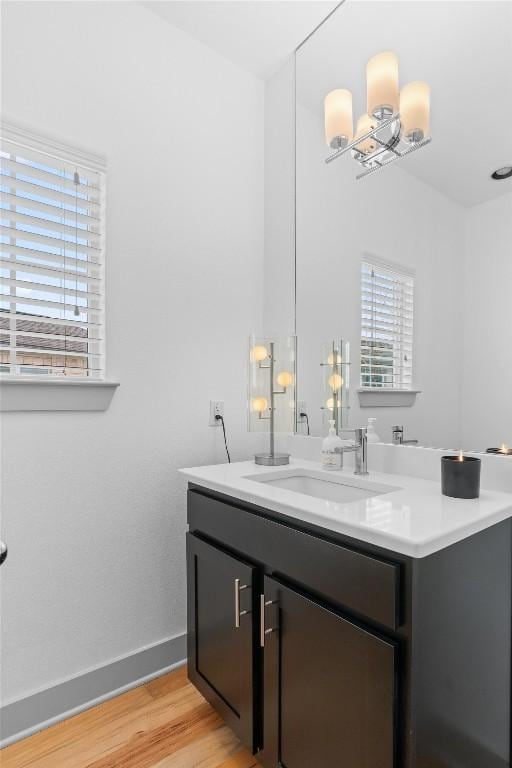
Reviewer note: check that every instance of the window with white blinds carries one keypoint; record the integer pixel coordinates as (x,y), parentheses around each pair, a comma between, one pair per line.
(52,259)
(387,310)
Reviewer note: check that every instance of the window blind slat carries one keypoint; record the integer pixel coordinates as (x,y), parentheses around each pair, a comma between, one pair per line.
(57,290)
(23,319)
(82,337)
(397,368)
(35,304)
(367,352)
(46,240)
(387,298)
(50,258)
(32,187)
(51,351)
(21,150)
(386,318)
(375,289)
(15,265)
(41,222)
(58,370)
(387,278)
(60,178)
(17,200)
(380,321)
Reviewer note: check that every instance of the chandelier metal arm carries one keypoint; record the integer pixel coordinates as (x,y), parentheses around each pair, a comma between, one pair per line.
(359,140)
(399,156)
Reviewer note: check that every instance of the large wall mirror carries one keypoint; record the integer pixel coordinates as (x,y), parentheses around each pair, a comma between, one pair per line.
(411,264)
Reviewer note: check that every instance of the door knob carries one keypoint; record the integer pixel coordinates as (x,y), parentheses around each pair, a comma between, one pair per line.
(3,552)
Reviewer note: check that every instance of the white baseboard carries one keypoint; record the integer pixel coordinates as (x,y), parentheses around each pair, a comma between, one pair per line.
(32,713)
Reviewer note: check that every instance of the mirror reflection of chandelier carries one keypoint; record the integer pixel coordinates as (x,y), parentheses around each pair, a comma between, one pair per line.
(395,124)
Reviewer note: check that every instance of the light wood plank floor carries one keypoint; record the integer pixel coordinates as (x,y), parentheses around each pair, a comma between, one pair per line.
(163,724)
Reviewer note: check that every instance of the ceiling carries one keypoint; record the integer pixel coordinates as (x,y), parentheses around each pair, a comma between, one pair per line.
(463,49)
(257,35)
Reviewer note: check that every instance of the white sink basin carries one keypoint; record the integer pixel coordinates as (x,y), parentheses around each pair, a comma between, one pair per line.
(321,485)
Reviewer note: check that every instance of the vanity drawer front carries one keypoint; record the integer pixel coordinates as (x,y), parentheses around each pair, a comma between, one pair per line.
(358,582)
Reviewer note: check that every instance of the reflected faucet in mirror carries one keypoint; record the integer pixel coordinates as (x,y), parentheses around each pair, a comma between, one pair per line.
(398,437)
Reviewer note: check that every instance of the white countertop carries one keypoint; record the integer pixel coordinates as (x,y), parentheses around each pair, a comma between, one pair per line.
(415,520)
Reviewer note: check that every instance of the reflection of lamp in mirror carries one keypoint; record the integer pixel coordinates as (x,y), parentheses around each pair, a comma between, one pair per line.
(335,381)
(334,365)
(415,111)
(258,353)
(338,118)
(259,404)
(272,392)
(285,379)
(382,85)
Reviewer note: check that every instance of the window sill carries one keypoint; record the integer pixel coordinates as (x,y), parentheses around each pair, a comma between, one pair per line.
(391,398)
(20,394)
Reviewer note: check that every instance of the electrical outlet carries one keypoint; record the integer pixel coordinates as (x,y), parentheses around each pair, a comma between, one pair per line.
(216,409)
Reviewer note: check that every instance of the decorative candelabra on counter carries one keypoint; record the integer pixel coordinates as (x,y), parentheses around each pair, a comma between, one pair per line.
(272,392)
(335,367)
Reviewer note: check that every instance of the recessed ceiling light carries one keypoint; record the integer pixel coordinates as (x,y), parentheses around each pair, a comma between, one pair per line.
(502,173)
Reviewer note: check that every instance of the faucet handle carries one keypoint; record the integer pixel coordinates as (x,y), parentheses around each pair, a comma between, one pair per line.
(397,434)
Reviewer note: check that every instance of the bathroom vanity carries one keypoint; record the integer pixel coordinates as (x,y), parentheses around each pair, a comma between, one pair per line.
(339,621)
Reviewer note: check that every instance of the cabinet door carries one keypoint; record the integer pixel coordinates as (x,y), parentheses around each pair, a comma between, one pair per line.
(329,687)
(220,633)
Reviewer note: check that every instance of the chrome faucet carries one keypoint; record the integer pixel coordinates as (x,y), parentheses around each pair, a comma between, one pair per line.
(398,437)
(360,449)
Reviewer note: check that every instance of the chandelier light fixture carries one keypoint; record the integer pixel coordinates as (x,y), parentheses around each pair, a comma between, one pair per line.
(395,123)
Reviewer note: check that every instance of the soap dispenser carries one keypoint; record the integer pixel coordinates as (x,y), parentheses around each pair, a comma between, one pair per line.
(371,434)
(332,449)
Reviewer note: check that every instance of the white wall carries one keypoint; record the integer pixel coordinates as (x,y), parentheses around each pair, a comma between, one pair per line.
(279,259)
(394,216)
(93,509)
(279,272)
(486,413)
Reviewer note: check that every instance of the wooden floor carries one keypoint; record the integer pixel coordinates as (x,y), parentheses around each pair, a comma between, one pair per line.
(163,724)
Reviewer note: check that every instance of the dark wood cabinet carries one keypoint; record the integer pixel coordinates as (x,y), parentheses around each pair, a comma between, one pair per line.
(332,682)
(345,653)
(328,684)
(221,633)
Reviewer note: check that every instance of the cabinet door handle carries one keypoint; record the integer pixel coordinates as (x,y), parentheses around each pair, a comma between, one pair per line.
(238,612)
(263,604)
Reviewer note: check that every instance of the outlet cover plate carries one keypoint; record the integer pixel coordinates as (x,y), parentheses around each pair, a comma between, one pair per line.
(216,409)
